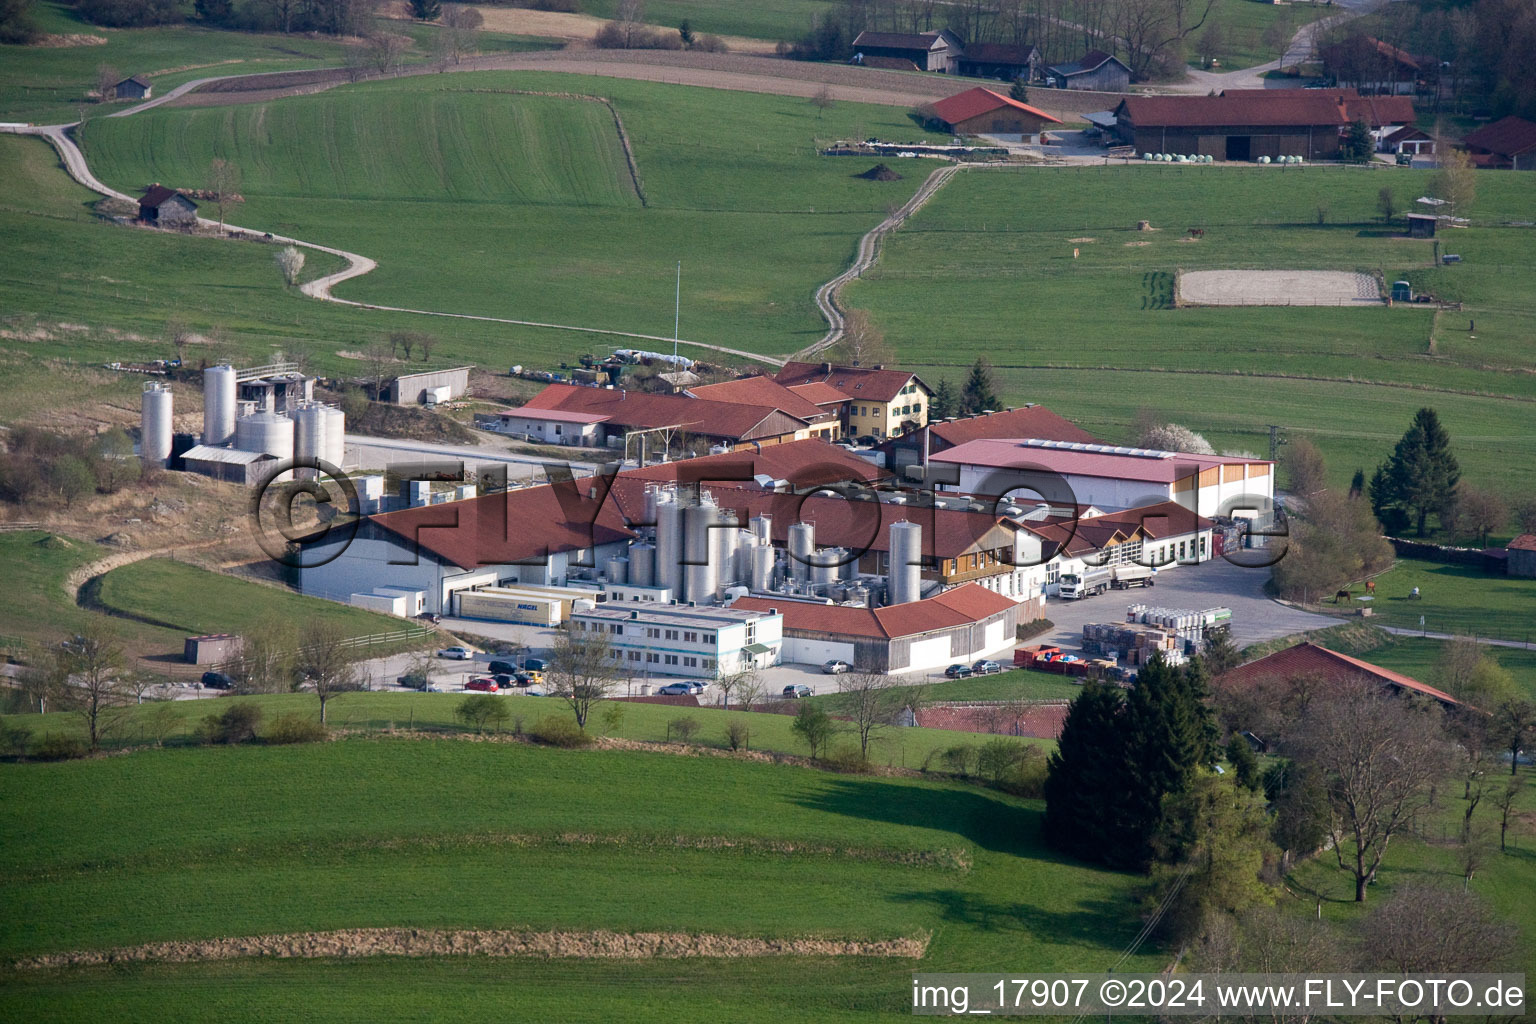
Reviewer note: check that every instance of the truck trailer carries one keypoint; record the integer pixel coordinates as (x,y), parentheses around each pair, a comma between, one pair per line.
(1127,576)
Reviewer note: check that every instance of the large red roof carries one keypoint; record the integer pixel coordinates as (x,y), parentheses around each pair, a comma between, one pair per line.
(820,393)
(1376,111)
(1014,453)
(642,409)
(1509,136)
(975,102)
(959,607)
(1029,421)
(810,462)
(870,383)
(1309,658)
(761,391)
(1236,107)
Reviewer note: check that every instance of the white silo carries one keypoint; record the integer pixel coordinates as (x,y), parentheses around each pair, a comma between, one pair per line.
(905,581)
(700,576)
(335,436)
(155,424)
(265,432)
(762,567)
(669,545)
(802,541)
(642,565)
(724,547)
(309,425)
(824,569)
(219,405)
(762,529)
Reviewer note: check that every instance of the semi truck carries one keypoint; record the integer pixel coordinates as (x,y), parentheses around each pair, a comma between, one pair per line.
(1127,576)
(1090,581)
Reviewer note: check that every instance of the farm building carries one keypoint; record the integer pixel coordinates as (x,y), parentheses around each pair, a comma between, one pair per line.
(928,51)
(674,640)
(880,403)
(1421,225)
(1095,70)
(229,464)
(1508,143)
(1236,125)
(167,208)
(981,111)
(551,426)
(999,60)
(1317,662)
(211,648)
(624,412)
(1164,534)
(1108,477)
(914,447)
(765,391)
(1410,140)
(1372,66)
(132,88)
(1521,559)
(427,387)
(963,624)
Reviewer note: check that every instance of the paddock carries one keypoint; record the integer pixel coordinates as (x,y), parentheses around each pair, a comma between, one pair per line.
(1277,288)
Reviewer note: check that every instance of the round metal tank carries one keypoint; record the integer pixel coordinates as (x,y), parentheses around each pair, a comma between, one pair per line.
(700,576)
(802,541)
(858,595)
(642,565)
(155,424)
(849,570)
(618,570)
(309,425)
(905,580)
(669,547)
(762,529)
(824,571)
(218,405)
(724,545)
(762,567)
(652,499)
(335,435)
(265,432)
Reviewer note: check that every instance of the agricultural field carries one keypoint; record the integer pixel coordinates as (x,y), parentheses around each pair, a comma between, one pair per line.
(773,19)
(447,834)
(1456,599)
(1009,685)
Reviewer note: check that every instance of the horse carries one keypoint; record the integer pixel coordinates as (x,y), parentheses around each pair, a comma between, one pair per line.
(1197,232)
(1343,595)
(1370,586)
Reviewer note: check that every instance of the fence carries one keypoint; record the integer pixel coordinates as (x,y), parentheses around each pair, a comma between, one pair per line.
(398,636)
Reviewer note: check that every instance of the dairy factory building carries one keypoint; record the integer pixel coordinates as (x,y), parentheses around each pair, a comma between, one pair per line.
(682,640)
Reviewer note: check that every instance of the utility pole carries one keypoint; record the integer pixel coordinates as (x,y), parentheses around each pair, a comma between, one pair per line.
(677,310)
(1275,441)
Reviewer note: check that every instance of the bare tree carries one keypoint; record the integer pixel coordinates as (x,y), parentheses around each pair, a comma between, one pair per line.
(460,34)
(822,100)
(582,671)
(749,690)
(1456,181)
(1424,928)
(87,677)
(1380,756)
(265,664)
(1306,472)
(107,76)
(1504,800)
(378,356)
(290,262)
(1514,720)
(325,664)
(386,50)
(1478,512)
(1474,763)
(181,336)
(355,59)
(862,342)
(736,682)
(402,341)
(223,185)
(869,700)
(427,342)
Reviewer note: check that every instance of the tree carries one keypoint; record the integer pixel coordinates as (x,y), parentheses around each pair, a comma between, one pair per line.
(181,336)
(736,682)
(1467,672)
(117,466)
(290,263)
(482,711)
(214,12)
(460,32)
(822,100)
(1456,180)
(1277,36)
(685,33)
(1514,720)
(869,700)
(1430,929)
(266,658)
(1380,756)
(1083,789)
(386,50)
(978,395)
(1299,800)
(1505,802)
(1170,736)
(1172,437)
(426,10)
(813,726)
(613,717)
(1357,484)
(1212,44)
(1244,765)
(355,59)
(16,24)
(1018,91)
(223,185)
(87,678)
(749,690)
(326,664)
(1359,144)
(582,671)
(1386,205)
(428,342)
(1478,512)
(943,404)
(378,356)
(71,478)
(1211,843)
(1218,651)
(1419,477)
(107,76)
(862,343)
(1306,472)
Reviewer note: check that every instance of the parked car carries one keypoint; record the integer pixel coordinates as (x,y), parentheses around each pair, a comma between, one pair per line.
(535,665)
(414,680)
(986,668)
(507,680)
(959,672)
(500,666)
(484,684)
(534,691)
(530,677)
(796,691)
(675,690)
(456,653)
(217,681)
(836,668)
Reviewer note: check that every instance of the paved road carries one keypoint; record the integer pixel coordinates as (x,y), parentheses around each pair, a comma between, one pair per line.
(1298,50)
(1216,583)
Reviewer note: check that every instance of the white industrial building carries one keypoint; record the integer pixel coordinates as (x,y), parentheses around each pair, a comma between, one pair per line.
(551,426)
(681,640)
(1109,477)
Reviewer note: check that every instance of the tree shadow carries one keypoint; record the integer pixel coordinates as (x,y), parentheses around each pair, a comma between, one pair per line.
(1096,922)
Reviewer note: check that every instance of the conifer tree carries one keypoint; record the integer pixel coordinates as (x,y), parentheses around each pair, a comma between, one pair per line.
(1420,476)
(978,396)
(943,404)
(1081,789)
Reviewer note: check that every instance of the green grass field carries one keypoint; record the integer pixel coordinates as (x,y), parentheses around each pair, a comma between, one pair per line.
(416,833)
(1456,599)
(1243,23)
(1009,685)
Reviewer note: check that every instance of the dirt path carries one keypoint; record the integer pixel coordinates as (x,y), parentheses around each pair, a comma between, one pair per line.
(421,942)
(77,580)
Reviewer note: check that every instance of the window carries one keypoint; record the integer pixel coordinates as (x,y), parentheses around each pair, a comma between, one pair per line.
(653,633)
(691,662)
(616,628)
(671,634)
(709,663)
(1202,547)
(1181,548)
(691,636)
(634,655)
(557,430)
(616,655)
(671,659)
(652,658)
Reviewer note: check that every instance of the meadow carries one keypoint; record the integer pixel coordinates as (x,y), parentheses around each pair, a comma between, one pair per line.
(1455,599)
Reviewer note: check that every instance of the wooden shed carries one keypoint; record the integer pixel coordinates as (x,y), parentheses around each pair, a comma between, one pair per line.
(167,208)
(1095,70)
(132,88)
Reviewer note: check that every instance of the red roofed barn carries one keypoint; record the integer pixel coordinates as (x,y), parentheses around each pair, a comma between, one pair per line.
(981,111)
(1509,142)
(1313,660)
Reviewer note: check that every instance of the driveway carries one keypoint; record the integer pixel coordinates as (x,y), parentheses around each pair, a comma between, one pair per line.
(1213,584)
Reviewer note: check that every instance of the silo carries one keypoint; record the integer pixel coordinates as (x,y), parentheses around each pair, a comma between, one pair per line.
(701,575)
(762,567)
(652,498)
(802,541)
(724,545)
(335,436)
(155,424)
(824,571)
(642,565)
(219,405)
(669,546)
(762,529)
(309,425)
(905,581)
(618,570)
(265,432)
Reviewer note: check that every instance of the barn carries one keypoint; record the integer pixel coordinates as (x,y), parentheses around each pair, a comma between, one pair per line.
(981,111)
(928,51)
(132,88)
(1243,125)
(1095,70)
(1000,61)
(1508,143)
(167,208)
